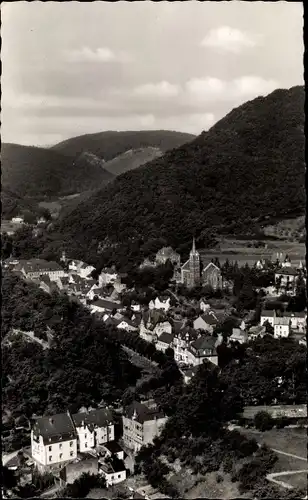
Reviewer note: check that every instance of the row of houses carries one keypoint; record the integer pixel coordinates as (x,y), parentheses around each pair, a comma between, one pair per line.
(285,323)
(63,439)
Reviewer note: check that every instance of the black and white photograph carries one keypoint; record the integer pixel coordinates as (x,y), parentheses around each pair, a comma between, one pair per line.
(153,250)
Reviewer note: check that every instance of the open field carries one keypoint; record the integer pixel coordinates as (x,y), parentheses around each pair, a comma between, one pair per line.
(288,440)
(238,250)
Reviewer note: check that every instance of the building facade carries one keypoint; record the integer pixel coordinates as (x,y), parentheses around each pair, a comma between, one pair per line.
(190,271)
(141,424)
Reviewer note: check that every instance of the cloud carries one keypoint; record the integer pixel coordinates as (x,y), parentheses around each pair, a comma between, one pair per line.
(239,89)
(99,55)
(229,39)
(161,89)
(254,85)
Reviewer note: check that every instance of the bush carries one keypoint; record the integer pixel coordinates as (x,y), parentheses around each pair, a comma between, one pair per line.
(263,421)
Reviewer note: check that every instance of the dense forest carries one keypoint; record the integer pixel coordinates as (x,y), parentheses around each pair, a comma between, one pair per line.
(32,172)
(248,167)
(107,145)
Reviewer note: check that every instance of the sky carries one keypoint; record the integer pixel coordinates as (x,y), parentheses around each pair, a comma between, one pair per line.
(73,68)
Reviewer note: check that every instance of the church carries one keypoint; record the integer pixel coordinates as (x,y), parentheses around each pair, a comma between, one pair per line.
(191,275)
(191,270)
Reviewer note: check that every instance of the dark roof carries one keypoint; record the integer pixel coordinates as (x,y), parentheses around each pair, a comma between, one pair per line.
(37,265)
(141,413)
(204,342)
(165,337)
(107,304)
(187,332)
(210,319)
(100,418)
(56,428)
(268,313)
(112,464)
(287,271)
(177,325)
(113,447)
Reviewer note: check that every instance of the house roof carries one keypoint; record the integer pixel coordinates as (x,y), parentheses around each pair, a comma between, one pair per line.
(268,313)
(296,314)
(56,428)
(210,265)
(177,325)
(99,418)
(287,271)
(209,318)
(141,413)
(204,342)
(166,338)
(37,265)
(185,267)
(282,321)
(187,332)
(112,465)
(106,304)
(237,333)
(113,447)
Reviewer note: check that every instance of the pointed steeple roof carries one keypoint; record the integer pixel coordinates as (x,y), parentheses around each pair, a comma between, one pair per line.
(193,250)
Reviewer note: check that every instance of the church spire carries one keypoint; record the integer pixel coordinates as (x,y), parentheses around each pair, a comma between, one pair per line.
(194,245)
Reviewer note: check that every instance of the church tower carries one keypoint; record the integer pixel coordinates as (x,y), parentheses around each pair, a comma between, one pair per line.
(194,266)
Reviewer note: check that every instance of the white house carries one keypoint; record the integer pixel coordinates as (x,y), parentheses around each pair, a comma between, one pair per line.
(93,428)
(204,306)
(267,316)
(18,220)
(54,440)
(112,469)
(164,342)
(298,320)
(281,327)
(181,341)
(202,348)
(160,303)
(206,322)
(286,276)
(238,335)
(128,325)
(108,275)
(102,305)
(85,270)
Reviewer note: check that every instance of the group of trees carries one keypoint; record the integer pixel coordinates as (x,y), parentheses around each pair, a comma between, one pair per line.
(268,370)
(196,434)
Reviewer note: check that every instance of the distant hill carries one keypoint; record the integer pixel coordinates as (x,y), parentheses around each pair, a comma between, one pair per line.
(107,145)
(31,172)
(132,159)
(249,166)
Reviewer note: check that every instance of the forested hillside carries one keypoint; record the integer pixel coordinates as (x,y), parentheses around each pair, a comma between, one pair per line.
(249,166)
(32,172)
(108,145)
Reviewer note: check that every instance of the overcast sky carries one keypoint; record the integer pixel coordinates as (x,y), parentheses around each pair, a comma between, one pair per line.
(73,68)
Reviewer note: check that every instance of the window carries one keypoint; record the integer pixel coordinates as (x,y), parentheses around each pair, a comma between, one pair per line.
(49,448)
(112,477)
(85,436)
(60,456)
(50,458)
(86,445)
(119,475)
(60,446)
(71,453)
(71,443)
